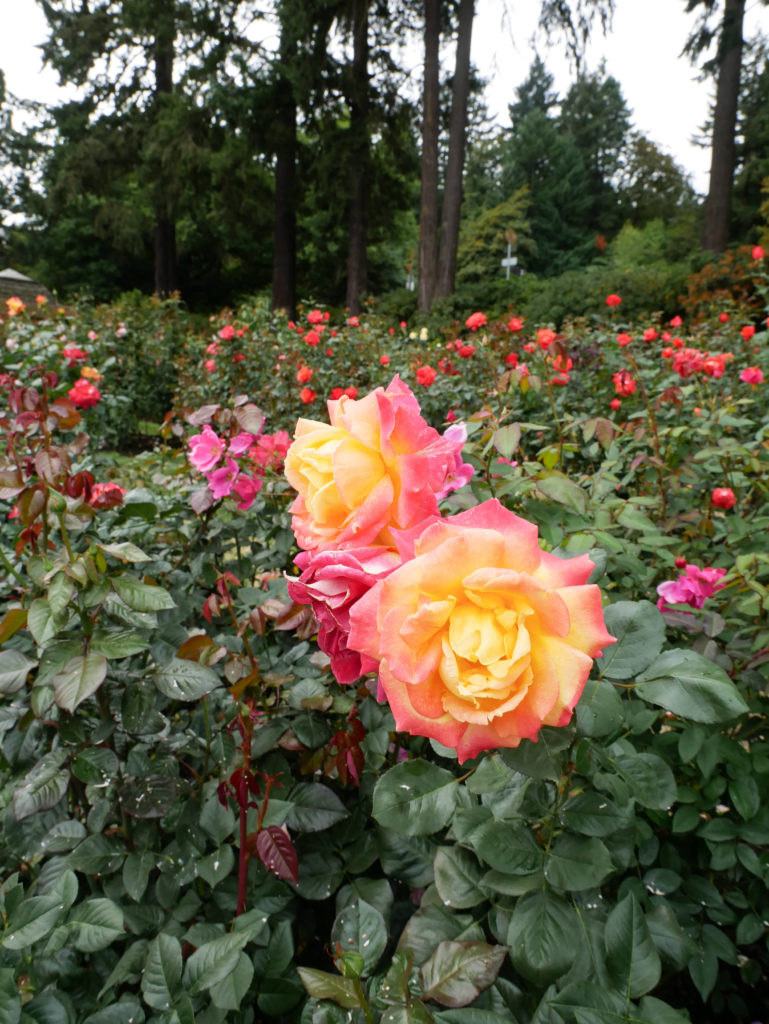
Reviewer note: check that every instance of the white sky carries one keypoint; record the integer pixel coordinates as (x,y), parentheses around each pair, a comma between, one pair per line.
(642,52)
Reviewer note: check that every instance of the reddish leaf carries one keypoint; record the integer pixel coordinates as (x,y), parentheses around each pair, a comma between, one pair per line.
(276,851)
(15,619)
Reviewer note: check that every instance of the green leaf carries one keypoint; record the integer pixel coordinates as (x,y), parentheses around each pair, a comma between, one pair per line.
(314,807)
(150,796)
(631,954)
(562,489)
(360,928)
(43,786)
(185,680)
(506,439)
(600,710)
(124,551)
(413,1012)
(97,765)
(229,993)
(577,862)
(510,848)
(35,917)
(639,629)
(136,873)
(472,1015)
(10,1001)
(540,759)
(691,686)
(321,985)
(117,643)
(745,796)
(703,970)
(96,924)
(593,814)
(119,1013)
(541,936)
(213,961)
(80,678)
(415,797)
(457,875)
(60,593)
(40,621)
(14,669)
(97,855)
(216,866)
(434,923)
(162,971)
(650,779)
(458,972)
(142,597)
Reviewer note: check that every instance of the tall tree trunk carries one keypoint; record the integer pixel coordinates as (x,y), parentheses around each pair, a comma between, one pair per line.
(428,209)
(359,156)
(165,227)
(284,228)
(452,191)
(718,205)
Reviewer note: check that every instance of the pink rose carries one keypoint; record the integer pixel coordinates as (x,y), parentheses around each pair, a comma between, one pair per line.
(460,472)
(693,587)
(331,582)
(222,480)
(752,375)
(376,467)
(206,449)
(482,638)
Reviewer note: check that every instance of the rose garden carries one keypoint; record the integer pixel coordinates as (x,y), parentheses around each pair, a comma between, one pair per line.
(361,671)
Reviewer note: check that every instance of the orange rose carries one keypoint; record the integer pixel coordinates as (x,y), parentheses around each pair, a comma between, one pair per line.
(376,466)
(481,637)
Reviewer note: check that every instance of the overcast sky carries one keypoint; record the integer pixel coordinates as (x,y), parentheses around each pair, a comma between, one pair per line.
(667,102)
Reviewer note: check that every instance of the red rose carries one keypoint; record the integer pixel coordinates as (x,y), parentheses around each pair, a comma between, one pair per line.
(723,497)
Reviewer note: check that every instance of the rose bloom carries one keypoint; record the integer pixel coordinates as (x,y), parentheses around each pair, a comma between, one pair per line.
(91,373)
(512,359)
(752,375)
(676,321)
(694,587)
(624,339)
(41,300)
(476,320)
(650,334)
(312,338)
(314,317)
(678,342)
(613,300)
(353,321)
(336,394)
(303,374)
(481,637)
(667,353)
(209,365)
(748,331)
(73,354)
(615,404)
(83,394)
(376,466)
(227,333)
(723,318)
(351,392)
(331,582)
(757,252)
(545,336)
(206,449)
(15,305)
(307,395)
(624,384)
(106,495)
(714,366)
(723,497)
(384,360)
(466,351)
(425,376)
(516,324)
